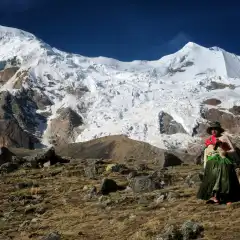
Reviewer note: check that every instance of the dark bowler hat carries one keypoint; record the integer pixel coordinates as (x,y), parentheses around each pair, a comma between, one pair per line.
(215,125)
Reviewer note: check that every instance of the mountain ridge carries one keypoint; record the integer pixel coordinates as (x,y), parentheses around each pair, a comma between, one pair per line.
(112,97)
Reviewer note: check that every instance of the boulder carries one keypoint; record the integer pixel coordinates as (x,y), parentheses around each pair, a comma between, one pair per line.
(46,155)
(228,120)
(8,167)
(144,184)
(108,186)
(5,155)
(168,125)
(170,232)
(188,231)
(194,179)
(171,159)
(191,230)
(91,171)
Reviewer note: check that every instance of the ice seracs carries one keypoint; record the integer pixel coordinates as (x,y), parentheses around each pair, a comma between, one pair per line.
(115,97)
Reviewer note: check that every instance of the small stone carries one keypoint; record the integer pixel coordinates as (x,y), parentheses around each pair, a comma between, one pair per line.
(22,225)
(173,196)
(160,199)
(132,217)
(93,191)
(30,209)
(34,220)
(41,210)
(143,201)
(171,232)
(91,171)
(191,230)
(23,185)
(128,189)
(194,179)
(52,236)
(47,164)
(132,174)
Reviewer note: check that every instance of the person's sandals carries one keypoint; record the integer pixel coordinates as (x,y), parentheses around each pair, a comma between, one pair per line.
(212,200)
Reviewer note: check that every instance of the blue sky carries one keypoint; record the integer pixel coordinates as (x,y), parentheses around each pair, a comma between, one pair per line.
(126,29)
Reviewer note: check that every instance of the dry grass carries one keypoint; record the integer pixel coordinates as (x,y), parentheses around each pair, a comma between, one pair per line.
(117,216)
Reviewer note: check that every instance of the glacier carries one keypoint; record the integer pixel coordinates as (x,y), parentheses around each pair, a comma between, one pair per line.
(124,97)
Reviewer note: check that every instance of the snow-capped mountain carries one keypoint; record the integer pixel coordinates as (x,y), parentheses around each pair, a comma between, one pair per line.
(70,97)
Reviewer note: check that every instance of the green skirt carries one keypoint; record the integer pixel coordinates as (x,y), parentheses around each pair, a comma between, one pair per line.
(220,178)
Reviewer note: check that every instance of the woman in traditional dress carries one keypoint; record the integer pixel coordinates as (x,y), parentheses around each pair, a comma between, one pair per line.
(220,182)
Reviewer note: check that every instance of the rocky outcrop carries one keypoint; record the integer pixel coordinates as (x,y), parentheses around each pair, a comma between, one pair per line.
(235,110)
(168,125)
(228,120)
(7,73)
(212,102)
(120,148)
(64,128)
(218,85)
(40,158)
(16,115)
(39,98)
(11,134)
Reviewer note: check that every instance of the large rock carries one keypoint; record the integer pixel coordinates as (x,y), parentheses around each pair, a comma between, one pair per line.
(108,186)
(229,121)
(194,153)
(64,128)
(42,157)
(9,162)
(8,167)
(171,159)
(168,125)
(191,230)
(188,231)
(144,184)
(5,155)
